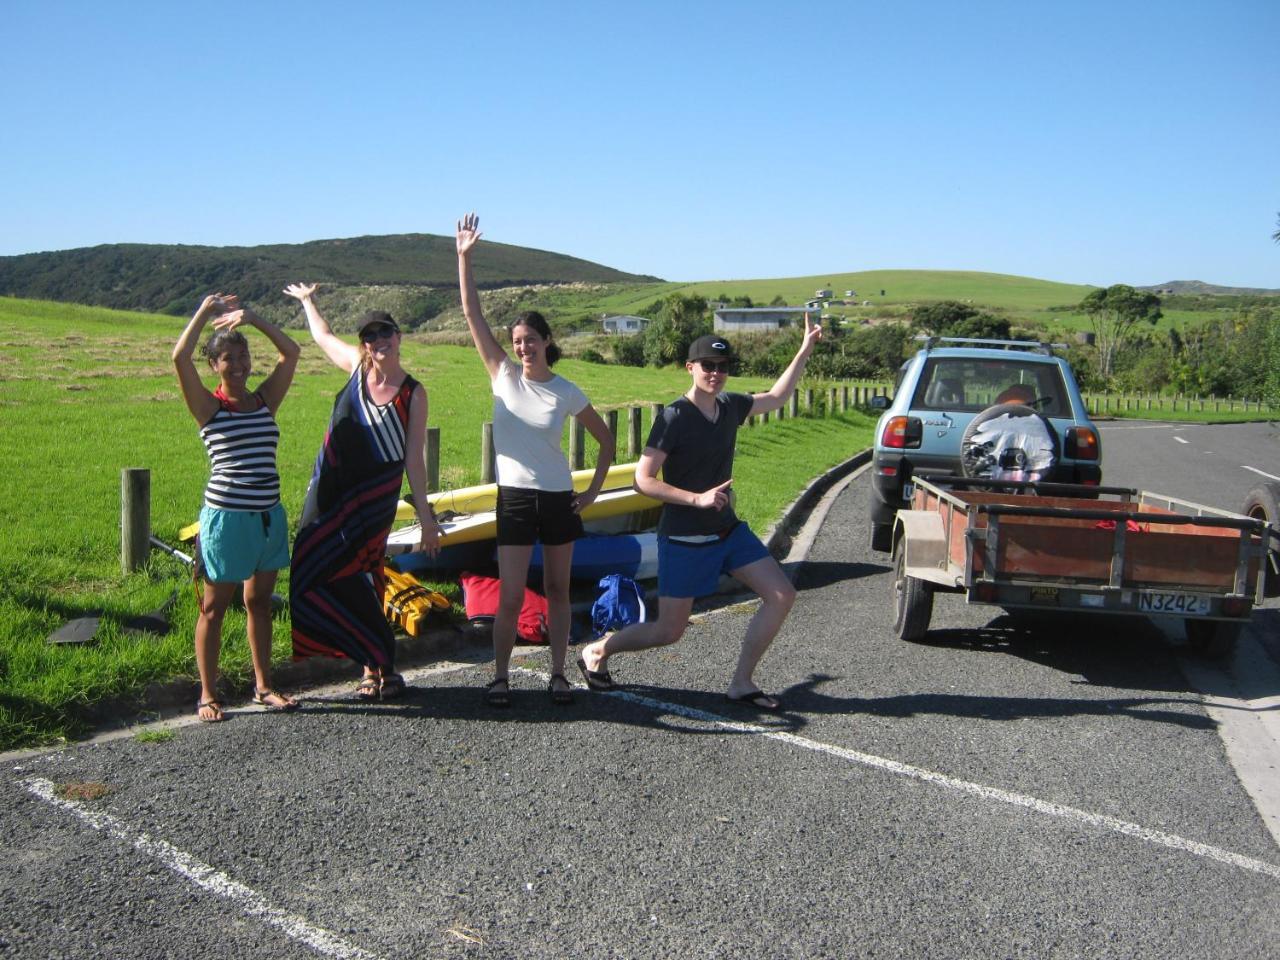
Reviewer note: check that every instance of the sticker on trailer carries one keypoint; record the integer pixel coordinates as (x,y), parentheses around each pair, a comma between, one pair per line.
(1181,603)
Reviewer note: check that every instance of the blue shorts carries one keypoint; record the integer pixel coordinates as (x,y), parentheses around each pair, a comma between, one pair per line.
(236,544)
(694,569)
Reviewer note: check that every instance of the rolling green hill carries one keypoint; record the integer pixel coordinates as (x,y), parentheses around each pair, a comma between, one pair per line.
(172,278)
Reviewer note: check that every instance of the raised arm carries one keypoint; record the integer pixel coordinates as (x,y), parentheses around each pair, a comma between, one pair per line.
(595,426)
(416,468)
(200,401)
(785,384)
(487,345)
(276,385)
(343,354)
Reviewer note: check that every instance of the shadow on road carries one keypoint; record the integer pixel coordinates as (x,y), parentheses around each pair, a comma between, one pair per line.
(807,698)
(816,574)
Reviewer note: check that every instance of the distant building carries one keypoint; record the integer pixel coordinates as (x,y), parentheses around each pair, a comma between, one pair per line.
(627,326)
(758,319)
(822,294)
(817,303)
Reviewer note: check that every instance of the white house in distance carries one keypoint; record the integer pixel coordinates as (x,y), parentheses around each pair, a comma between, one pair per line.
(625,325)
(757,319)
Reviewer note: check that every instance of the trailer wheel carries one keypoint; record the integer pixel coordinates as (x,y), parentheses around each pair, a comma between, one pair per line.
(912,598)
(1263,503)
(1215,639)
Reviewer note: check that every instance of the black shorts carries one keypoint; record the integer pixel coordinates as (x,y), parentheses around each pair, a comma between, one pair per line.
(526,517)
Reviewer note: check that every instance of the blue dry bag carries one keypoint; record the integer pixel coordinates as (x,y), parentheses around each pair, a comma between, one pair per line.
(621,602)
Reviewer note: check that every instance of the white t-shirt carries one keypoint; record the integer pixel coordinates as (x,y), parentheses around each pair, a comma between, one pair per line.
(528,422)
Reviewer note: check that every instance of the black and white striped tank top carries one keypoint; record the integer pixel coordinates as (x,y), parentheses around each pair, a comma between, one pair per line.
(242,451)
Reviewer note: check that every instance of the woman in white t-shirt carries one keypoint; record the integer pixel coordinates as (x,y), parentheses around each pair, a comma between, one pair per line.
(536,500)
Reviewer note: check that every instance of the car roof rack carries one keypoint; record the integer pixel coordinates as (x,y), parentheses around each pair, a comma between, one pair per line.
(1033,346)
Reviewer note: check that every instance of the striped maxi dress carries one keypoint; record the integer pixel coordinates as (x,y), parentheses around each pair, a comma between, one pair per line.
(336,581)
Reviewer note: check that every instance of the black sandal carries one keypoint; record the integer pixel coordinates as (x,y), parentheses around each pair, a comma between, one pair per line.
(392,686)
(498,697)
(263,698)
(560,696)
(368,688)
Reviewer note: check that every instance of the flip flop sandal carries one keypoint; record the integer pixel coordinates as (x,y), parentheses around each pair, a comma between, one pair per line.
(215,706)
(596,679)
(497,693)
(368,689)
(561,696)
(263,698)
(758,699)
(392,686)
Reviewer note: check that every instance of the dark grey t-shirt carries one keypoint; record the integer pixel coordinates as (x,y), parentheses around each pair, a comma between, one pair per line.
(699,457)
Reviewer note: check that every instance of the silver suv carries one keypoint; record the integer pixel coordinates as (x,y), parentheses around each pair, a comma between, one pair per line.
(950,403)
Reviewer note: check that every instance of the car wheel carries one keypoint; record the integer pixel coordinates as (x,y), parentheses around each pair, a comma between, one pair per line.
(1263,503)
(882,537)
(1214,639)
(912,599)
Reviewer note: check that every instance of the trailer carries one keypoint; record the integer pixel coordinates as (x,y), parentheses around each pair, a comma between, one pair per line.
(1049,547)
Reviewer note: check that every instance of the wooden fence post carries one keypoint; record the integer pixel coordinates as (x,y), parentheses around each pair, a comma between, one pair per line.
(655,411)
(577,456)
(808,400)
(135,517)
(634,439)
(611,421)
(831,401)
(431,459)
(794,403)
(488,457)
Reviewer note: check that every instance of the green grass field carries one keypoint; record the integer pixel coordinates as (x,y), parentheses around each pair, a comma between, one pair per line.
(86,392)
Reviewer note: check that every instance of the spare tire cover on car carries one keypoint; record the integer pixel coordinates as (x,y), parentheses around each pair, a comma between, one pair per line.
(1009,441)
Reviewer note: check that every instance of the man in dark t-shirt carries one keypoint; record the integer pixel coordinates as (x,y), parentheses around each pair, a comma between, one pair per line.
(699,535)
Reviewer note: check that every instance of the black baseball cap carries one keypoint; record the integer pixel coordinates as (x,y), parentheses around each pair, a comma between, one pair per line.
(375,317)
(710,347)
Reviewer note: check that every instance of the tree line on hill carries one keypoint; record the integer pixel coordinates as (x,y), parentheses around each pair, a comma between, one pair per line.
(1233,352)
(172,278)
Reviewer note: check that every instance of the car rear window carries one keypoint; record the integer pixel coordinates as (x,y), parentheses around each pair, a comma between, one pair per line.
(973,384)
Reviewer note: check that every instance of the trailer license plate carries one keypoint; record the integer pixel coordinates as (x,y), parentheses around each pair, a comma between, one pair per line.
(1183,603)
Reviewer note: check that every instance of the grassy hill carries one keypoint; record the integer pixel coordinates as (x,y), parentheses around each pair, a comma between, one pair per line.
(901,287)
(172,278)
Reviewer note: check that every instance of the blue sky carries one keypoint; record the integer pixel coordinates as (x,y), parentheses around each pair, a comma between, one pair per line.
(1084,142)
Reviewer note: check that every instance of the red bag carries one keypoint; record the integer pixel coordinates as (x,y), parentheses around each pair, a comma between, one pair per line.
(480,600)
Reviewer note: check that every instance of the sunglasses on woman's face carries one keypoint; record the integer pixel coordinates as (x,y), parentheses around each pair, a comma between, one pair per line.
(381,332)
(715,366)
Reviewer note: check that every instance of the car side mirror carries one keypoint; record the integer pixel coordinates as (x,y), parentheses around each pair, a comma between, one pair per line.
(879,402)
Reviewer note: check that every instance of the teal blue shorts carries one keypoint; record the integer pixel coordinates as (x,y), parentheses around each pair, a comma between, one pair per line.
(236,544)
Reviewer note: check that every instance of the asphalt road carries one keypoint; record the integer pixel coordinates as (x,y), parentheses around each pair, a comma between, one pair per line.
(992,792)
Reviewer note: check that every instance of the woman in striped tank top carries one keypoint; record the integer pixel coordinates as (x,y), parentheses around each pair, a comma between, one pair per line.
(376,435)
(244,537)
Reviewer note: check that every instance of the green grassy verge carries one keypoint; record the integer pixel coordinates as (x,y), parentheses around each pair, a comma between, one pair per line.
(85,392)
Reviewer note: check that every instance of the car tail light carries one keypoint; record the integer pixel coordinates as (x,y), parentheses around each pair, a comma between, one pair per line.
(1082,444)
(901,433)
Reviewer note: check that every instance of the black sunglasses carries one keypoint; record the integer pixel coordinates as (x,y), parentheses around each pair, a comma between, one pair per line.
(715,366)
(377,333)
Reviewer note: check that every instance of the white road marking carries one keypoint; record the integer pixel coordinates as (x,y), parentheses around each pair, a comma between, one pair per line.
(202,875)
(1180,440)
(994,794)
(1261,473)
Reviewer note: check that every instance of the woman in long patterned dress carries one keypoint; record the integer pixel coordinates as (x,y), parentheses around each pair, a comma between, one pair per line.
(376,435)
